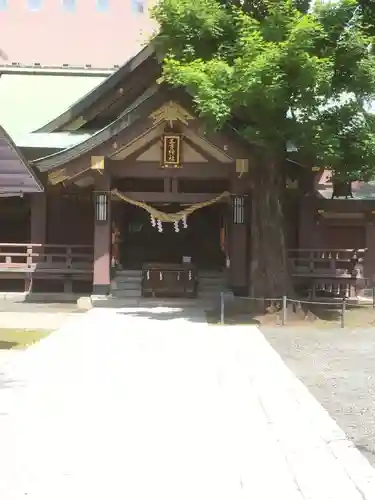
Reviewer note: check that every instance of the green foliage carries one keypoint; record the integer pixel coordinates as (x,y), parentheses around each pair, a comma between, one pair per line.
(368,10)
(286,72)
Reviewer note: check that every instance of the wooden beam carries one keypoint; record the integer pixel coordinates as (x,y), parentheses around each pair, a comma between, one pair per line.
(153,170)
(167,185)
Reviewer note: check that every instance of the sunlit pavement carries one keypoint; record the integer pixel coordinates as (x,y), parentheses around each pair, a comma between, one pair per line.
(120,404)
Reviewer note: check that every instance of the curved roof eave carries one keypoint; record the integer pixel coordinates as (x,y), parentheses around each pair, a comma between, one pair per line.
(108,84)
(122,122)
(23,173)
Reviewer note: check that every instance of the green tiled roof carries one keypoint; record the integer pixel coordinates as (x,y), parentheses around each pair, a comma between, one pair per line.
(53,140)
(28,101)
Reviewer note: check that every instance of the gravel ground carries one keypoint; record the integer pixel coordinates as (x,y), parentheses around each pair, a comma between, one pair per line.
(338,367)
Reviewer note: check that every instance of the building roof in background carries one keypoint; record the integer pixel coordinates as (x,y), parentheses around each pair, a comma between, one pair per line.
(360,190)
(16,175)
(83,36)
(107,85)
(28,101)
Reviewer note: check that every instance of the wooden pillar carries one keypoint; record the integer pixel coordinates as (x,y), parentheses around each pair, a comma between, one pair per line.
(238,260)
(38,230)
(369,261)
(102,241)
(308,226)
(38,222)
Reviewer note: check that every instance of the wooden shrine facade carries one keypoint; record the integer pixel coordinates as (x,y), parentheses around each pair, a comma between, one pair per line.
(149,145)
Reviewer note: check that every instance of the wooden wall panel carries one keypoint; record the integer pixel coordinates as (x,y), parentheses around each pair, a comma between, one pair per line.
(70,219)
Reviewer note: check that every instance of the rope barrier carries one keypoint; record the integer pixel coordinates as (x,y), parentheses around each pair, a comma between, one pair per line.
(338,304)
(170,217)
(260,298)
(296,301)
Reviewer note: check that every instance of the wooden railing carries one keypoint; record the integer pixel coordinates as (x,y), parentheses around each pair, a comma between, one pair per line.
(29,258)
(339,263)
(303,262)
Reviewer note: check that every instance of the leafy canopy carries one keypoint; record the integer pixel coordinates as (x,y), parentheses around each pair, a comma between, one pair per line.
(281,70)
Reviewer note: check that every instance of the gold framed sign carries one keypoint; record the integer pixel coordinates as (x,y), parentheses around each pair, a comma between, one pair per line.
(171,151)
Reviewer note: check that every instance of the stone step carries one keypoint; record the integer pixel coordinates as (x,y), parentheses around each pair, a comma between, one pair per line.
(134,277)
(367,292)
(210,284)
(136,288)
(216,291)
(212,281)
(126,273)
(117,302)
(126,288)
(124,279)
(209,273)
(138,272)
(126,285)
(211,293)
(124,293)
(136,294)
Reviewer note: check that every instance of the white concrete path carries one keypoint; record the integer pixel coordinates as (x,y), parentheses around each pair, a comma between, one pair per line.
(120,406)
(34,320)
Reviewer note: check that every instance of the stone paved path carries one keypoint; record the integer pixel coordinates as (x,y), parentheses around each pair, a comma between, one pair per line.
(120,404)
(35,315)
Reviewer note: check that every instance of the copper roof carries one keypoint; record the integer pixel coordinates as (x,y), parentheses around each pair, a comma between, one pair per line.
(16,175)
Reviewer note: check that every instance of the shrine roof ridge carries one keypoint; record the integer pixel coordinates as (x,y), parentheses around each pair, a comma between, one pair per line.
(76,109)
(127,118)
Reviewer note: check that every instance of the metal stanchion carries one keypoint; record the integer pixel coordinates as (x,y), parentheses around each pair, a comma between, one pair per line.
(284,313)
(222,308)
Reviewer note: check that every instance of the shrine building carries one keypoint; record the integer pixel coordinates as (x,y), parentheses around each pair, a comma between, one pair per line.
(126,194)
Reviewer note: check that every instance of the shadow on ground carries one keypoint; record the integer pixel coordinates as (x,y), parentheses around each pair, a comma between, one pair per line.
(246,310)
(37,307)
(190,314)
(7,344)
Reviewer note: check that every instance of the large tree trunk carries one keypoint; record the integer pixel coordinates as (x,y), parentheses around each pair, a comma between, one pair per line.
(269,276)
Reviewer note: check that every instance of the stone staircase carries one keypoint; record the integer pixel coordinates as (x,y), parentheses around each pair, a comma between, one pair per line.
(210,284)
(127,284)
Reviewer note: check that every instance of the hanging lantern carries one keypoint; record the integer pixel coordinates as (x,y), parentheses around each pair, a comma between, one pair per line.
(238,204)
(101,207)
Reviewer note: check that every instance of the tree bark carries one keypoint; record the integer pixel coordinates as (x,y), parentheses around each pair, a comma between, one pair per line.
(269,274)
